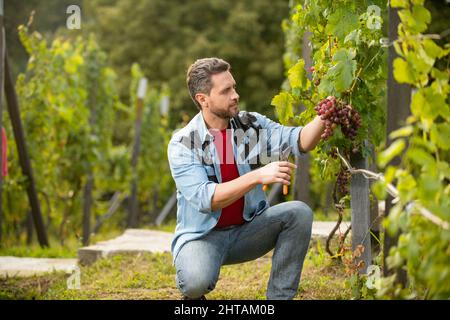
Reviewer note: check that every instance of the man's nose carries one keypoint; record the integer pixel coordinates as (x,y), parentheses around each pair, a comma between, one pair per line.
(235,96)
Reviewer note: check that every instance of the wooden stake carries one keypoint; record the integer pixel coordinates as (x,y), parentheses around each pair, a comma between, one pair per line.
(14,113)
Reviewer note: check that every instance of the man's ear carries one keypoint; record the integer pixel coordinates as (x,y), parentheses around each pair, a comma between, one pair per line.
(202,99)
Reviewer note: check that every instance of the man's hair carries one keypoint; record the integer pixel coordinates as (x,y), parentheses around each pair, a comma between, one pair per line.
(199,74)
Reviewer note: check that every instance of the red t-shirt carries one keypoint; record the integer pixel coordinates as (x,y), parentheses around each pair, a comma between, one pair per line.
(233,213)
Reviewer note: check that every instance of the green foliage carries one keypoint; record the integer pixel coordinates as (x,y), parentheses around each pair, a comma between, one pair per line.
(48,16)
(341,74)
(155,184)
(423,175)
(70,111)
(165,37)
(348,62)
(283,104)
(68,100)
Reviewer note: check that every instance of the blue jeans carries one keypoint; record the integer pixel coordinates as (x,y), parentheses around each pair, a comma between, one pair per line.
(285,227)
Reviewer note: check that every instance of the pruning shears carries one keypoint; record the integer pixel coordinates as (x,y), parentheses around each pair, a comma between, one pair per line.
(284,157)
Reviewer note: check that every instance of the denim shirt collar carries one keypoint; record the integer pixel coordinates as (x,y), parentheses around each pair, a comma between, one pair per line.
(203,128)
(203,131)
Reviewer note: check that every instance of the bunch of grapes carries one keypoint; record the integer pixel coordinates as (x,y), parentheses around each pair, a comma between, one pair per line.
(343,180)
(336,113)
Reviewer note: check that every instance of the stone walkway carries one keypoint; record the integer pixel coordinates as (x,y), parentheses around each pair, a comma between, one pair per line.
(25,267)
(131,241)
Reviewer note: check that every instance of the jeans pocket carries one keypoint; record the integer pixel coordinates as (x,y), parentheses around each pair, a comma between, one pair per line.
(262,205)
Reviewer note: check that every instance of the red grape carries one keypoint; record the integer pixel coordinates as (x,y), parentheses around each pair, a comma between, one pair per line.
(335,113)
(343,180)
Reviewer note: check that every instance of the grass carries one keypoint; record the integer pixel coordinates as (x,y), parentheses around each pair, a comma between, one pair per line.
(152,276)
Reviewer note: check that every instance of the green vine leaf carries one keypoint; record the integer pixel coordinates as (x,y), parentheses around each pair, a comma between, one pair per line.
(297,76)
(283,104)
(417,19)
(342,22)
(419,156)
(423,104)
(440,135)
(399,3)
(402,72)
(394,150)
(344,69)
(402,132)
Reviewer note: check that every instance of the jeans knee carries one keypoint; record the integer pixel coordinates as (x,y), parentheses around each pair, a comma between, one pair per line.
(195,290)
(194,286)
(302,213)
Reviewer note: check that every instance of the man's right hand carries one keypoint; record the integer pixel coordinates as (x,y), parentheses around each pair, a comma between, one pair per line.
(278,171)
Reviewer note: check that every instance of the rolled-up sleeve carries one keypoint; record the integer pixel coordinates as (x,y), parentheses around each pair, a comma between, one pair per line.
(280,135)
(190,177)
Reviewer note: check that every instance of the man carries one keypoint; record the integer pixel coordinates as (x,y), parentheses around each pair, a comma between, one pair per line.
(223,216)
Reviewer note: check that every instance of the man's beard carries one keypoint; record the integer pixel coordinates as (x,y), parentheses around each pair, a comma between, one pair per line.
(225,114)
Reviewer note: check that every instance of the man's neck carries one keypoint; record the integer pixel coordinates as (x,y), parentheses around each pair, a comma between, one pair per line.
(214,122)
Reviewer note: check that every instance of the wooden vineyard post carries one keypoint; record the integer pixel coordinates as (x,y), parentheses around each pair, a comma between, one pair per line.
(360,208)
(2,85)
(133,216)
(399,98)
(89,186)
(375,218)
(302,179)
(14,113)
(87,205)
(171,203)
(115,202)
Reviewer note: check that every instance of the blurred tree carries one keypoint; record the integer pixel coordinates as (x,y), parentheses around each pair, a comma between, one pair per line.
(49,16)
(165,37)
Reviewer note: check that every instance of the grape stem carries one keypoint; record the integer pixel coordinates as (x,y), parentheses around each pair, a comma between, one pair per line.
(392,190)
(356,80)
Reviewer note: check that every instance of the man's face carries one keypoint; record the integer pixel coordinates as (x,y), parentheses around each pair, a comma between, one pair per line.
(223,99)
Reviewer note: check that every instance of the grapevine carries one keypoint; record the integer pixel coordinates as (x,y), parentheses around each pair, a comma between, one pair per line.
(335,113)
(70,106)
(420,213)
(349,64)
(344,84)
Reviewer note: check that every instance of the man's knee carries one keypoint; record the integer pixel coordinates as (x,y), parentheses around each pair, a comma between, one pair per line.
(195,284)
(301,213)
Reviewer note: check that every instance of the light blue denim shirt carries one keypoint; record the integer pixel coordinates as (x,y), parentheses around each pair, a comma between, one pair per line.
(195,167)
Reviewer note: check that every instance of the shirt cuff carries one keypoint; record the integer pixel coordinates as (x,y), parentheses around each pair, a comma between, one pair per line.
(294,141)
(206,204)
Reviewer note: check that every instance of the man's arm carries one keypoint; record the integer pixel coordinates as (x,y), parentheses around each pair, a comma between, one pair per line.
(302,139)
(310,134)
(228,192)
